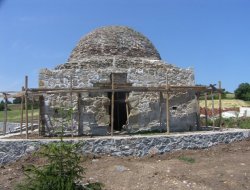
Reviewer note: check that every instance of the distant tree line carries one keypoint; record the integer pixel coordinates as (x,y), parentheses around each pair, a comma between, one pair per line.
(243,92)
(18,100)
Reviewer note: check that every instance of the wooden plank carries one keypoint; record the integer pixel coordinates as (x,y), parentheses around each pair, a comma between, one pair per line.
(121,89)
(26,106)
(112,106)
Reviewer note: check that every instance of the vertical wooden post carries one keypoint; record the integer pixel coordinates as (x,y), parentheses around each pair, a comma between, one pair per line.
(212,97)
(32,114)
(5,113)
(21,122)
(39,118)
(127,110)
(160,101)
(112,105)
(41,114)
(167,108)
(79,107)
(71,105)
(197,95)
(206,109)
(220,105)
(26,105)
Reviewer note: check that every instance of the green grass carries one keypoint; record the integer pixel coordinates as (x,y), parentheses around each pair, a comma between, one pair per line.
(15,115)
(187,159)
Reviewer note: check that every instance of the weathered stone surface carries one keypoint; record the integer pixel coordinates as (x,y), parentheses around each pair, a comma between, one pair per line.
(11,150)
(114,40)
(133,60)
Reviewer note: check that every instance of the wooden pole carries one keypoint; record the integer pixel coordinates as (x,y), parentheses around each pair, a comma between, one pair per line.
(21,122)
(42,114)
(5,113)
(71,105)
(112,105)
(127,109)
(39,119)
(79,107)
(32,114)
(160,101)
(26,106)
(212,97)
(206,109)
(167,108)
(220,105)
(198,109)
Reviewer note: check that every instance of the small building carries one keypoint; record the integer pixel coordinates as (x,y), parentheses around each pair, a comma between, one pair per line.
(121,56)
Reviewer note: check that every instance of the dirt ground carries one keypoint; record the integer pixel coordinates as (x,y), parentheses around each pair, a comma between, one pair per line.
(221,167)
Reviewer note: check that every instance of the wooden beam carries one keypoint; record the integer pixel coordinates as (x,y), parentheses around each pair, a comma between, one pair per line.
(206,109)
(32,114)
(21,120)
(79,107)
(112,105)
(198,109)
(26,106)
(160,107)
(127,108)
(220,105)
(71,105)
(212,97)
(167,107)
(42,113)
(5,113)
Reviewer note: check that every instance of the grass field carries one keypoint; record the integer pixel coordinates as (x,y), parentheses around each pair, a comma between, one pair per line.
(226,103)
(15,115)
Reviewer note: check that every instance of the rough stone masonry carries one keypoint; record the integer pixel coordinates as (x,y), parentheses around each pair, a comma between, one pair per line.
(135,62)
(11,150)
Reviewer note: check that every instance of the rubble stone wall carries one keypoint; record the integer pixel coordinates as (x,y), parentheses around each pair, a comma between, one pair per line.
(144,107)
(11,150)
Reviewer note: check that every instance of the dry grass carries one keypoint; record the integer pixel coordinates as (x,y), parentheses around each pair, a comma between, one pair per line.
(226,103)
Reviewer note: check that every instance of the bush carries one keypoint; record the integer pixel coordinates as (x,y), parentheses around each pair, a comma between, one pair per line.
(62,171)
(243,92)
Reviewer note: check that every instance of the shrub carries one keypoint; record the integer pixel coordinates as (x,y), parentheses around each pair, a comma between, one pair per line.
(243,92)
(62,171)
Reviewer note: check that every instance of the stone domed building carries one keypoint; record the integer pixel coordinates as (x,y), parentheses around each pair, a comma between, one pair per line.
(126,58)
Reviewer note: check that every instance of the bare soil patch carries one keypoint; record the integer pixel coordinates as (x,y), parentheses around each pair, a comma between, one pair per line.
(223,167)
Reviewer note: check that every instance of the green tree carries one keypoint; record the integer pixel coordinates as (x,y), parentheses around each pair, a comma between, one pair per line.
(243,92)
(17,100)
(63,170)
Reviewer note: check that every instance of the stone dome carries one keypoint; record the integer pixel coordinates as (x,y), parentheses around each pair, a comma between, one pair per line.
(114,41)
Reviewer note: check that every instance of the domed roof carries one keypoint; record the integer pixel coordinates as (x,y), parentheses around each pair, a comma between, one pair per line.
(114,41)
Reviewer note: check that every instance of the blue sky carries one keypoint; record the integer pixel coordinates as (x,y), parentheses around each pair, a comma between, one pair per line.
(213,37)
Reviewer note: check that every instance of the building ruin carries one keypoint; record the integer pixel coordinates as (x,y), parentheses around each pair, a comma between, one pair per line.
(121,56)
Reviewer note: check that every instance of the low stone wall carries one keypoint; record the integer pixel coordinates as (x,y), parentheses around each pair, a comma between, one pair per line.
(11,150)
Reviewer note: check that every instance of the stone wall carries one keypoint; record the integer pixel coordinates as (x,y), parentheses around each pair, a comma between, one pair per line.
(144,107)
(11,150)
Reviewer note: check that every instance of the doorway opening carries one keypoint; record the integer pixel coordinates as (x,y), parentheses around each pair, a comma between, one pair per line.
(120,114)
